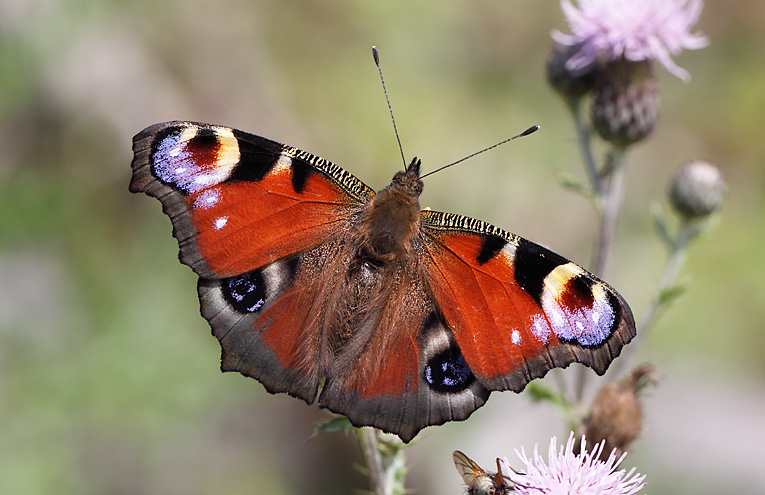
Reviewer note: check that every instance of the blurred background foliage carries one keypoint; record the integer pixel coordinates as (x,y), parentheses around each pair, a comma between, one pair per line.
(109,378)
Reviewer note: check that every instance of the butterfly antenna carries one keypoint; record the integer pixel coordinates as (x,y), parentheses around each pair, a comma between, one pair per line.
(376,56)
(528,131)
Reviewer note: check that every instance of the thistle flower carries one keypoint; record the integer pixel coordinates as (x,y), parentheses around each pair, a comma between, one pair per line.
(614,43)
(567,473)
(636,30)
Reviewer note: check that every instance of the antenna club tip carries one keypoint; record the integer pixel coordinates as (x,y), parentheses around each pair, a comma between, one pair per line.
(376,55)
(530,130)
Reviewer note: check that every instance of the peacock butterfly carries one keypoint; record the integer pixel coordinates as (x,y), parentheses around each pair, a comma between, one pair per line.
(397,317)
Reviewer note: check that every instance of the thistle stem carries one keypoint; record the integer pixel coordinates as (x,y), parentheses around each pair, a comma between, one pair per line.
(583,138)
(679,251)
(385,460)
(610,201)
(369,447)
(685,234)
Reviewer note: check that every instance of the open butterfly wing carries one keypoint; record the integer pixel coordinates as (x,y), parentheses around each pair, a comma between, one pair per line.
(515,308)
(257,221)
(240,201)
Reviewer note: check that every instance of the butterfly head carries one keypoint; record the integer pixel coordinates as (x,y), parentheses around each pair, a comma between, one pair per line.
(409,180)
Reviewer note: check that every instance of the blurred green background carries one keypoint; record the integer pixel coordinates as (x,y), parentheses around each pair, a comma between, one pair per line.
(109,379)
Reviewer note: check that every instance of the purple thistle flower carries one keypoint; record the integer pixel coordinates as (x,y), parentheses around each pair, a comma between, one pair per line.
(638,30)
(567,473)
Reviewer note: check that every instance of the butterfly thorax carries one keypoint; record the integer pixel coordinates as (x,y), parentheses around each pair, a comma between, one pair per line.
(392,217)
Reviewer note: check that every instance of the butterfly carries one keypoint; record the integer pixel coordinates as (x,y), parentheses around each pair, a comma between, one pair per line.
(394,316)
(478,481)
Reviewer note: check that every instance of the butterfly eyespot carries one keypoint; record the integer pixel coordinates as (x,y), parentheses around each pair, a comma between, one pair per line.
(192,159)
(448,372)
(246,293)
(580,309)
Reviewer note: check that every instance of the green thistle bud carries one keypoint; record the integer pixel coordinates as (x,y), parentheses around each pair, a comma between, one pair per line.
(697,190)
(625,106)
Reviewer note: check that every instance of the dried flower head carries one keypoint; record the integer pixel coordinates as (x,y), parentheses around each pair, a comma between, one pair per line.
(568,473)
(634,30)
(616,415)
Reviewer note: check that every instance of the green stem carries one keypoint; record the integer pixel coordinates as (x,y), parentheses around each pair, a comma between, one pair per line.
(685,234)
(583,138)
(610,203)
(377,478)
(679,250)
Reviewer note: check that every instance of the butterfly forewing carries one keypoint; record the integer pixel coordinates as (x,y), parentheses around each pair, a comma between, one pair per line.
(239,201)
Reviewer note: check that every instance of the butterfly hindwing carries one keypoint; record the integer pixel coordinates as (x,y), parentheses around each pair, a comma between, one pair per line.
(264,319)
(397,355)
(517,309)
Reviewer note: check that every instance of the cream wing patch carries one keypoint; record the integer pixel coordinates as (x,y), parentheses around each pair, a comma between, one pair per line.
(589,324)
(196,158)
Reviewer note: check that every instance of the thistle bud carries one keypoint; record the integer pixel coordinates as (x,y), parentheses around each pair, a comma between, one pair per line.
(572,84)
(697,190)
(625,106)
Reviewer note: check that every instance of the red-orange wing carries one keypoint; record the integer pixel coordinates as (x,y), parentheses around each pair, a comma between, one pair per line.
(260,223)
(517,309)
(239,201)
